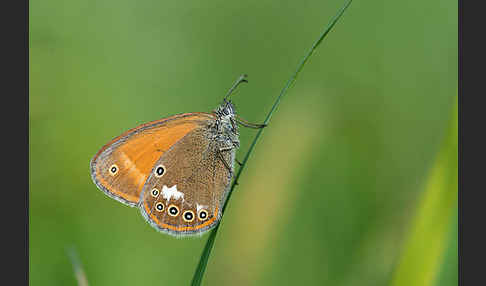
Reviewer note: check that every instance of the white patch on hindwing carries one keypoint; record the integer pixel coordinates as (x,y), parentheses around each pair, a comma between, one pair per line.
(200,207)
(172,192)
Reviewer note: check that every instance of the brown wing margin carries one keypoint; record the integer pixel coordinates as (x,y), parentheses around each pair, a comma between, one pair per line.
(134,153)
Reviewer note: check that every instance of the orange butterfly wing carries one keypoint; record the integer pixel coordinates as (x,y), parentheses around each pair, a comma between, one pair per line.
(121,167)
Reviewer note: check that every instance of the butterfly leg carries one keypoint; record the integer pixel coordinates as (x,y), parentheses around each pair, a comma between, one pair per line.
(220,154)
(245,123)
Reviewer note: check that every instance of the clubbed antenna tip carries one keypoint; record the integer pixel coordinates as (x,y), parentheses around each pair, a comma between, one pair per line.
(241,79)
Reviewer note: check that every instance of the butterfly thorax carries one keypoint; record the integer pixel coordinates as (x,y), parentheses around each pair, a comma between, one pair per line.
(225,128)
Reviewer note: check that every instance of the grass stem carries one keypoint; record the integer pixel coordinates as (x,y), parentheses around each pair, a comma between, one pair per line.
(201,267)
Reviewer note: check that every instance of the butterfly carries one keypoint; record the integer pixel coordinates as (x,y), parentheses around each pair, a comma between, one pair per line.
(176,170)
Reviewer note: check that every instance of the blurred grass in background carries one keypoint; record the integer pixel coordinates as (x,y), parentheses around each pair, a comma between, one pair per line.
(337,191)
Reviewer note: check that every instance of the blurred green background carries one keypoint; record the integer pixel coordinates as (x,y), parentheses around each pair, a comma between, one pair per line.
(354,182)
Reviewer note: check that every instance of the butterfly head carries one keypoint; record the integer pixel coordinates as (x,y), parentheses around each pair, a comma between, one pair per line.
(226,124)
(226,109)
(226,121)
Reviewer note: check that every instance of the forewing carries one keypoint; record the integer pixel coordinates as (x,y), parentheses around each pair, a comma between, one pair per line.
(121,167)
(194,180)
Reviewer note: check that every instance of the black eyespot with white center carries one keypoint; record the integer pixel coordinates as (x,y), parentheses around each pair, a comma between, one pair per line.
(203,215)
(154,192)
(188,216)
(113,169)
(173,210)
(159,206)
(159,171)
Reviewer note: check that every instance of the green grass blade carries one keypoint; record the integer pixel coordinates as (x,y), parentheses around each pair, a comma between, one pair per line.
(201,267)
(426,246)
(203,261)
(77,267)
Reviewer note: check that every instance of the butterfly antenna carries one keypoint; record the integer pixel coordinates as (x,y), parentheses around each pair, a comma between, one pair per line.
(241,79)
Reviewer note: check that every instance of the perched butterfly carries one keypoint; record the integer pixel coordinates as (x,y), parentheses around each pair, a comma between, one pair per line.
(176,170)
